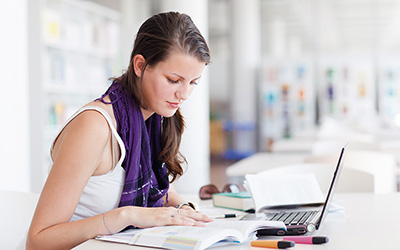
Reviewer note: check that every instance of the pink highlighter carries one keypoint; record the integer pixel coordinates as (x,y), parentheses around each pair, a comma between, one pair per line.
(307,239)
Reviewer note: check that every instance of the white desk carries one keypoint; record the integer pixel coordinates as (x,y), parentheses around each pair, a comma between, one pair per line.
(263,161)
(371,222)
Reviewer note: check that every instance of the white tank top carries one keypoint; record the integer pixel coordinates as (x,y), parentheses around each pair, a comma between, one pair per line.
(102,192)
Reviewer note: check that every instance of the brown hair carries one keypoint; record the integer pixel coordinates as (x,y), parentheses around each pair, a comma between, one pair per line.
(158,37)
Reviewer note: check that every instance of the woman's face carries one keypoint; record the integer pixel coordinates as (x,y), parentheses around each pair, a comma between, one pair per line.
(167,84)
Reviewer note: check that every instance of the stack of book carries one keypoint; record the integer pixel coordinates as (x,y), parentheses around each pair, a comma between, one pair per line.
(238,201)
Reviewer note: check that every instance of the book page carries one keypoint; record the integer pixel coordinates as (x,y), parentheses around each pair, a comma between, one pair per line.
(184,237)
(278,190)
(121,237)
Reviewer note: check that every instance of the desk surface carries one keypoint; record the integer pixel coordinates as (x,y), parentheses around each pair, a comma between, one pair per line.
(370,221)
(263,161)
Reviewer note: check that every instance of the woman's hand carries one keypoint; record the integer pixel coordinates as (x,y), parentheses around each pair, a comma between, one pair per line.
(168,216)
(189,212)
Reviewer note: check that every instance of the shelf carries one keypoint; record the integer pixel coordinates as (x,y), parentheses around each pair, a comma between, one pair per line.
(83,50)
(74,90)
(94,8)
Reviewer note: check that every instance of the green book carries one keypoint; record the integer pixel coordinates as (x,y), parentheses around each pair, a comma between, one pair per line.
(238,201)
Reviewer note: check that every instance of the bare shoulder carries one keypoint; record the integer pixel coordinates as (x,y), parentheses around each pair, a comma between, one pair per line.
(108,108)
(92,121)
(88,128)
(89,122)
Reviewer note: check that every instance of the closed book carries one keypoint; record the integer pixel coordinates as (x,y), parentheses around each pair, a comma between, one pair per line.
(239,201)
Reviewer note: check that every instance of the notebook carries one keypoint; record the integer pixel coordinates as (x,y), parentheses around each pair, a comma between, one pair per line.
(299,220)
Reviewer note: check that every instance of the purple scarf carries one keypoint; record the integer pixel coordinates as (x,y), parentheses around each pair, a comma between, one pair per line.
(146,178)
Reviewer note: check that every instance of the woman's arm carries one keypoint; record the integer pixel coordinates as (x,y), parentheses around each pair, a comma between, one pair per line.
(80,152)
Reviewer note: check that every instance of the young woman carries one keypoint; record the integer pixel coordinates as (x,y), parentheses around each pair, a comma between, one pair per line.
(116,158)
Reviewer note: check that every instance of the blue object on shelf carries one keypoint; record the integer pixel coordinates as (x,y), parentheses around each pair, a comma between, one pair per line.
(231,154)
(239,126)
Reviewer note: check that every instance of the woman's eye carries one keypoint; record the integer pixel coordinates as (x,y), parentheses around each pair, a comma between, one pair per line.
(173,81)
(194,83)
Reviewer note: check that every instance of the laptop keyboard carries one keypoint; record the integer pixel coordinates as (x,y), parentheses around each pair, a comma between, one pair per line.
(294,218)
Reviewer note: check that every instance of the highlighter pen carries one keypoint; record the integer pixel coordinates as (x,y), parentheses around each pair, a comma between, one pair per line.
(307,239)
(223,216)
(281,244)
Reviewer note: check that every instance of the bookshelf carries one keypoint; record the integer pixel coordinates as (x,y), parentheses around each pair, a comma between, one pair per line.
(348,88)
(79,52)
(286,99)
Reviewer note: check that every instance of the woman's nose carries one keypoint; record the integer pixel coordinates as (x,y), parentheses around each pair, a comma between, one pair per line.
(183,91)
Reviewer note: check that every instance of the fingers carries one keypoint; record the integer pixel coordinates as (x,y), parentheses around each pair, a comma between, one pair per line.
(168,216)
(194,215)
(186,221)
(187,217)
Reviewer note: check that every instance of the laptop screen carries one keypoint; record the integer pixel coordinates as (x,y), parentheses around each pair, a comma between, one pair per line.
(331,188)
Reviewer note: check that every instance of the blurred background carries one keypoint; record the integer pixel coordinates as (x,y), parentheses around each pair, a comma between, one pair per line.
(288,77)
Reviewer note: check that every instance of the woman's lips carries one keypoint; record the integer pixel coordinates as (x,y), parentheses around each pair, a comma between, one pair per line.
(174,105)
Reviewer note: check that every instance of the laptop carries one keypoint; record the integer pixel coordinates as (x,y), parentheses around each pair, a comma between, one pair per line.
(299,220)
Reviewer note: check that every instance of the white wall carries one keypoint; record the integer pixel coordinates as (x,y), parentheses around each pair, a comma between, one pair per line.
(14,125)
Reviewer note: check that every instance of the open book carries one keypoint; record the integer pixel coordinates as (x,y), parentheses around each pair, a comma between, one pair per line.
(283,190)
(192,238)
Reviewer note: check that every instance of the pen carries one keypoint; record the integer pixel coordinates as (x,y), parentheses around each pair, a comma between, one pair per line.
(307,239)
(223,216)
(272,243)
